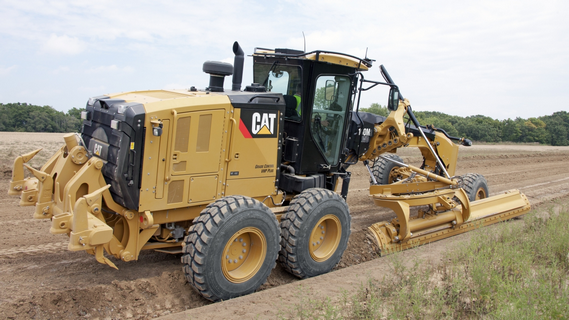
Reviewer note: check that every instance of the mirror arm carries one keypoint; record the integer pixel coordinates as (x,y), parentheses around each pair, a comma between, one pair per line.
(388,79)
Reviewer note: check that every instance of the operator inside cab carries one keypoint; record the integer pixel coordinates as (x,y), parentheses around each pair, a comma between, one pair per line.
(297,96)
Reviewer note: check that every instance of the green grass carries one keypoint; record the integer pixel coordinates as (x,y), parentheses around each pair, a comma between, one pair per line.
(510,271)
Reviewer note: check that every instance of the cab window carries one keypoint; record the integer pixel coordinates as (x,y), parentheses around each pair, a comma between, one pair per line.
(331,98)
(284,79)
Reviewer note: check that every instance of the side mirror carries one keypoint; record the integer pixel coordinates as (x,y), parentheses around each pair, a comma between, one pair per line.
(393,102)
(330,90)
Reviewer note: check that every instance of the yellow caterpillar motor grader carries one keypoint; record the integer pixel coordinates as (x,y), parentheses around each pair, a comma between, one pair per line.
(238,180)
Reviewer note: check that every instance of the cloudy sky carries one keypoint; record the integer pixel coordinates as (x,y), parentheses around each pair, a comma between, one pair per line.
(503,59)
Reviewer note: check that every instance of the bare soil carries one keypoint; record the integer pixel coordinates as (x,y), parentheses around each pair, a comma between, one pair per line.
(40,278)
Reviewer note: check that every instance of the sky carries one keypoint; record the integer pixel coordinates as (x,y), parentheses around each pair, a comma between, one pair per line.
(502,59)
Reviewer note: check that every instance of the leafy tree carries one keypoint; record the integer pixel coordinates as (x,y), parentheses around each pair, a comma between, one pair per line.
(376,108)
(557,126)
(322,93)
(20,117)
(533,130)
(75,112)
(552,129)
(438,120)
(480,128)
(511,129)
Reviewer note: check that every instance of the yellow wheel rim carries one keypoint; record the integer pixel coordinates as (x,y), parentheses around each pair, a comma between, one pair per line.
(480,194)
(324,238)
(394,175)
(243,255)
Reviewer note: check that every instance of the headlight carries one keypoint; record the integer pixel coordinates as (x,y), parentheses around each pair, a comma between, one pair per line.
(121,108)
(115,124)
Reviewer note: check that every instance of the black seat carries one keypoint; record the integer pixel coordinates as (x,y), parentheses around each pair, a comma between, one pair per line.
(290,108)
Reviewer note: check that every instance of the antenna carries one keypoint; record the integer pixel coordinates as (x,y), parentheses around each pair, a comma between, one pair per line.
(366,53)
(304,41)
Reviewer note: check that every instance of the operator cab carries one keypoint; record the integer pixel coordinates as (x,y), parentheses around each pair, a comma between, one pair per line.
(318,89)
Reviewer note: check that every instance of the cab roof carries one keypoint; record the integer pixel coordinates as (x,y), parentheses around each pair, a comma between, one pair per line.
(318,55)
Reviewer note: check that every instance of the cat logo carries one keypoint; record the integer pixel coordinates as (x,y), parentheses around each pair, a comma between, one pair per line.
(263,123)
(98,149)
(258,124)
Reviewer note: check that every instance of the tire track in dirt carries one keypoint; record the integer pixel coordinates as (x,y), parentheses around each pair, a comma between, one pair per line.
(37,249)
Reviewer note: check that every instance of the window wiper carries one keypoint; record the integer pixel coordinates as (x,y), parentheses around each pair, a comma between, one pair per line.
(269,73)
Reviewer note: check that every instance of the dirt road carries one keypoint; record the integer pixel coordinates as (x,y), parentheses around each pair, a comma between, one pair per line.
(41,279)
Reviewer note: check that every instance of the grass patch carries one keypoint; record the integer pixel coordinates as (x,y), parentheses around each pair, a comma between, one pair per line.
(509,271)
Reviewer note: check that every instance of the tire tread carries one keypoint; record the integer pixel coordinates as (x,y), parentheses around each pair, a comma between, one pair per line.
(471,182)
(290,224)
(202,232)
(381,168)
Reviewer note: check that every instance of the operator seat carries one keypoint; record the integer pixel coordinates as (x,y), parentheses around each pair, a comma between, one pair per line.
(290,108)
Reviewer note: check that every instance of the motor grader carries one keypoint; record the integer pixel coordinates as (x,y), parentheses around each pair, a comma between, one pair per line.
(235,181)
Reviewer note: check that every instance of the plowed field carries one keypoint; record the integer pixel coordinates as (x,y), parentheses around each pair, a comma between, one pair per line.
(40,278)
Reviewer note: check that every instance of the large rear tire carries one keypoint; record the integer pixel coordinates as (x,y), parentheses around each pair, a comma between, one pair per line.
(383,170)
(231,248)
(315,232)
(475,186)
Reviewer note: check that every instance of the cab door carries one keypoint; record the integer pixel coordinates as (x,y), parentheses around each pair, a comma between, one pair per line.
(328,117)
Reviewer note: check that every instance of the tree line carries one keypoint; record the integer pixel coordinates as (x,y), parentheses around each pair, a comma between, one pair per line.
(552,129)
(23,117)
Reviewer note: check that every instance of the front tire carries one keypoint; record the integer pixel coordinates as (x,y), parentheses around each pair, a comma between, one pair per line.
(475,186)
(231,248)
(384,170)
(315,232)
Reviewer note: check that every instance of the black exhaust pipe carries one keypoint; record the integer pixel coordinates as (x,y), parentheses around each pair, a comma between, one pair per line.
(237,66)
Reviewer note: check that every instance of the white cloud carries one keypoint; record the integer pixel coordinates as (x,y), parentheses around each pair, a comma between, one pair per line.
(6,70)
(109,69)
(83,93)
(63,45)
(489,57)
(61,69)
(171,86)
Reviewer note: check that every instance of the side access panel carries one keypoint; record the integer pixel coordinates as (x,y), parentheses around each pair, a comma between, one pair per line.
(195,156)
(186,163)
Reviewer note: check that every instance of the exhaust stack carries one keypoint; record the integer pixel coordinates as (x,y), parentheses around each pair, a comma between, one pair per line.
(237,66)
